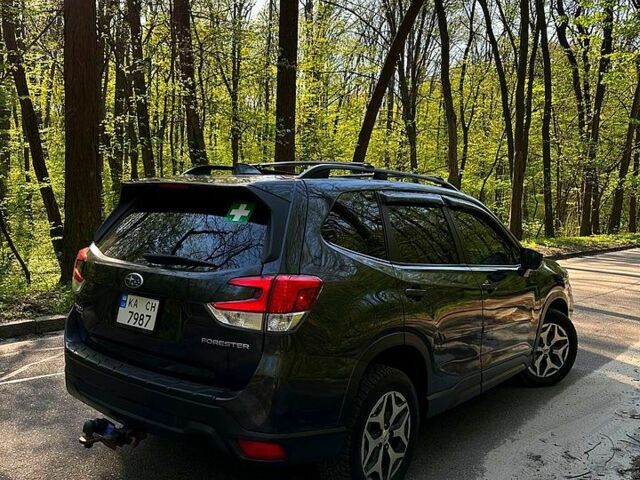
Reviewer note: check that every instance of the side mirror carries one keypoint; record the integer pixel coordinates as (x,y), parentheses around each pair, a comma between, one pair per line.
(530,259)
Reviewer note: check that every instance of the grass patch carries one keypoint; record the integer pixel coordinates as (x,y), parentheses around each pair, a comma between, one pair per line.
(45,296)
(563,245)
(56,301)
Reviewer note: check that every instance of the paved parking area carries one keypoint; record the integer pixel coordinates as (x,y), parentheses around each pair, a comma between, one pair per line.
(587,427)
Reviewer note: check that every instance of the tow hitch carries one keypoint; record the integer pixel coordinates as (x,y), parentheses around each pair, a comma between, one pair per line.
(103,431)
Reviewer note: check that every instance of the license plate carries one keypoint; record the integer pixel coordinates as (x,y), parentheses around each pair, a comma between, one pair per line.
(137,312)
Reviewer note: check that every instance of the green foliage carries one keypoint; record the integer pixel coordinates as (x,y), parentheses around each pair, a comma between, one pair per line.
(342,47)
(551,246)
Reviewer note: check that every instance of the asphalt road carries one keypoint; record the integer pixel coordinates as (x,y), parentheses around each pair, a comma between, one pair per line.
(586,427)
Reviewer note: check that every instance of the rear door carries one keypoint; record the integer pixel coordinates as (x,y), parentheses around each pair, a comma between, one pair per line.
(442,300)
(508,296)
(181,246)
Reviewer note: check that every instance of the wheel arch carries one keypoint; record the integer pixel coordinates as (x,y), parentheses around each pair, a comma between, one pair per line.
(405,351)
(556,300)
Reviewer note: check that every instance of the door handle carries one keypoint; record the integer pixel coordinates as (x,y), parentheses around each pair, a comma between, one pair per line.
(415,293)
(489,286)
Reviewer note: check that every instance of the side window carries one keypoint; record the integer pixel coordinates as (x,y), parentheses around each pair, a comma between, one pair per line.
(483,243)
(355,223)
(422,235)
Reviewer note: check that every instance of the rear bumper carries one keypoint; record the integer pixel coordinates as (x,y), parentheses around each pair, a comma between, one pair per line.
(161,405)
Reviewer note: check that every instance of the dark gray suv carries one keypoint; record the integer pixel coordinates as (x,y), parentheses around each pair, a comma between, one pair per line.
(311,317)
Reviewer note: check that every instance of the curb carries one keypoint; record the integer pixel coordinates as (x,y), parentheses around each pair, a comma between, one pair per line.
(588,253)
(36,326)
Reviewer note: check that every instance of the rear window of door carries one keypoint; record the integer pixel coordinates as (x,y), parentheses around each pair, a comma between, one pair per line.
(482,242)
(421,235)
(355,223)
(222,233)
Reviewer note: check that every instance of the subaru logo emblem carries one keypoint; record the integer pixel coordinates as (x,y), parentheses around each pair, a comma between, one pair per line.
(133,280)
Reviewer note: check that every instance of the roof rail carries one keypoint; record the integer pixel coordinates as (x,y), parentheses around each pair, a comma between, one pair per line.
(317,170)
(287,167)
(323,170)
(382,174)
(238,169)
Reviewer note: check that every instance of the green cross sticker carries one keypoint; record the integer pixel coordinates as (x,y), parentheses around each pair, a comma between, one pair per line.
(240,212)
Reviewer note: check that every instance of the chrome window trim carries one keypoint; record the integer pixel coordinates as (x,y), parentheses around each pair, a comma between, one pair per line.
(457,267)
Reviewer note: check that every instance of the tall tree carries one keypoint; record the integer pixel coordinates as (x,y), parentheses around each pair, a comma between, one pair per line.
(521,138)
(546,119)
(120,105)
(590,175)
(181,21)
(633,195)
(267,81)
(412,66)
(375,102)
(30,125)
(505,95)
(82,113)
(140,87)
(447,95)
(625,161)
(285,148)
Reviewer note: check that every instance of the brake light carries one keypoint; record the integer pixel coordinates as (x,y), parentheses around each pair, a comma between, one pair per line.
(282,299)
(257,450)
(77,280)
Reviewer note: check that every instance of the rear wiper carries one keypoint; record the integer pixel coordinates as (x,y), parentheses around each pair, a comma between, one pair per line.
(176,260)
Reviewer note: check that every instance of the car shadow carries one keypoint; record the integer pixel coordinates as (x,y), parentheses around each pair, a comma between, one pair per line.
(456,441)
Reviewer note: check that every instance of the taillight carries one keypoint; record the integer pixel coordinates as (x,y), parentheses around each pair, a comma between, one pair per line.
(77,280)
(281,300)
(258,450)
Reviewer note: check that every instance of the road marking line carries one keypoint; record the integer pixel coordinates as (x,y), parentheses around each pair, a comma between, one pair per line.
(20,380)
(10,354)
(23,368)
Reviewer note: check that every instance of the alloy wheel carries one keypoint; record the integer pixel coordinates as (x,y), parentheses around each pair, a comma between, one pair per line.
(385,440)
(551,351)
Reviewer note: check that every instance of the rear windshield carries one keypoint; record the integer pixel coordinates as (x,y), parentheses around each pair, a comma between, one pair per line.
(190,233)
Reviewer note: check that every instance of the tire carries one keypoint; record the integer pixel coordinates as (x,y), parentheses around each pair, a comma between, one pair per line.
(384,393)
(555,351)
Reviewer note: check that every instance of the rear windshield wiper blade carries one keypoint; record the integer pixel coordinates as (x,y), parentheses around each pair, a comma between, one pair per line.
(176,260)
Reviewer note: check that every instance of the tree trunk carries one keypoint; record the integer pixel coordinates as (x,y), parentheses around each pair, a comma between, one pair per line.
(388,123)
(31,127)
(408,117)
(12,246)
(561,29)
(266,129)
(120,104)
(82,110)
(590,180)
(106,9)
(236,63)
(285,148)
(181,18)
(633,195)
(447,96)
(140,88)
(625,161)
(5,142)
(388,68)
(549,230)
(464,124)
(502,79)
(520,143)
